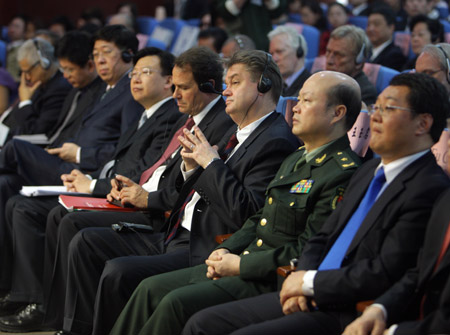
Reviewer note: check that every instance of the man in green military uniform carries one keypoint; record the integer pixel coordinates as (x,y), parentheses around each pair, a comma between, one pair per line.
(307,187)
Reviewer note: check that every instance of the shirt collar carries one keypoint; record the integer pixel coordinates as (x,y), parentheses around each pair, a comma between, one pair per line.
(199,117)
(150,111)
(289,81)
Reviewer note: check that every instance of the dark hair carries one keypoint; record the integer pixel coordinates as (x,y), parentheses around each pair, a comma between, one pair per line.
(91,13)
(321,23)
(338,4)
(123,38)
(132,5)
(426,95)
(347,95)
(166,59)
(255,62)
(76,47)
(219,35)
(434,26)
(386,12)
(205,65)
(64,21)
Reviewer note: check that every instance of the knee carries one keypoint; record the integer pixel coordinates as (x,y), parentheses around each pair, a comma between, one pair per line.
(116,271)
(195,324)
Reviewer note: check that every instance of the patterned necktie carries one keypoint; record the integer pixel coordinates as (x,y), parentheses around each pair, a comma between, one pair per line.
(232,143)
(333,259)
(142,120)
(171,148)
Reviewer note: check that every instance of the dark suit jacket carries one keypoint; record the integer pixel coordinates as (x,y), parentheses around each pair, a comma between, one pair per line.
(368,90)
(231,192)
(102,126)
(292,91)
(86,101)
(387,242)
(40,116)
(140,148)
(403,300)
(391,56)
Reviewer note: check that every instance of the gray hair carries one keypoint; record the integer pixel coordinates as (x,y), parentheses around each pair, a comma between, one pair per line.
(294,39)
(357,36)
(29,51)
(434,51)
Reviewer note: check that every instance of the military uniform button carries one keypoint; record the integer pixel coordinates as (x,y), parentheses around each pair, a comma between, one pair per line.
(281,177)
(263,222)
(270,201)
(292,204)
(246,252)
(259,243)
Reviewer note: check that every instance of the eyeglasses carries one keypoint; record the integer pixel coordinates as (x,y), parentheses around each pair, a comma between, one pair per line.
(385,110)
(105,53)
(146,70)
(30,69)
(66,70)
(431,73)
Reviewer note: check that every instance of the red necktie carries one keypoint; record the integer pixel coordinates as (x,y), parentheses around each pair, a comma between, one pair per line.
(444,248)
(171,148)
(226,153)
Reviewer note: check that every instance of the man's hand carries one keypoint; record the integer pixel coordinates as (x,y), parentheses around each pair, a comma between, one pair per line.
(132,193)
(68,152)
(196,149)
(371,322)
(27,90)
(226,265)
(216,255)
(77,181)
(297,304)
(292,286)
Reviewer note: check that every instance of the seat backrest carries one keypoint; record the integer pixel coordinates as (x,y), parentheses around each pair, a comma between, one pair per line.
(359,21)
(3,53)
(173,25)
(284,107)
(311,35)
(359,134)
(402,39)
(146,24)
(151,42)
(187,38)
(440,149)
(379,75)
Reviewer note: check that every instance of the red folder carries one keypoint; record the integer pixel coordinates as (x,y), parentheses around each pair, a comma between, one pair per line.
(72,203)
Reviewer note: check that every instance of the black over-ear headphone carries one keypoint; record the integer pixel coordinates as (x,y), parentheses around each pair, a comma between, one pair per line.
(126,56)
(208,87)
(265,84)
(360,57)
(447,61)
(300,51)
(45,62)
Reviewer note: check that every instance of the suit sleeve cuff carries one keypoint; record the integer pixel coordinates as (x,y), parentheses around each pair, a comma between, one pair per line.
(25,103)
(308,283)
(232,8)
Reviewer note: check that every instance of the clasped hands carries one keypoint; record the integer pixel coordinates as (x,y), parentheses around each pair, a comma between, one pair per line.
(196,149)
(222,263)
(292,298)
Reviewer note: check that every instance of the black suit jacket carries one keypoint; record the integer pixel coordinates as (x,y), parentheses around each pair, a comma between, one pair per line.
(40,116)
(403,300)
(391,56)
(140,148)
(232,192)
(86,101)
(388,240)
(292,91)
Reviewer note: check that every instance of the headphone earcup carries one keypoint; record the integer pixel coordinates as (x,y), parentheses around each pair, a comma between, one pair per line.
(126,56)
(300,51)
(264,84)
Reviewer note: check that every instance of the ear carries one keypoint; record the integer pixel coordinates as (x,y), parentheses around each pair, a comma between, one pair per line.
(168,84)
(424,123)
(340,111)
(90,65)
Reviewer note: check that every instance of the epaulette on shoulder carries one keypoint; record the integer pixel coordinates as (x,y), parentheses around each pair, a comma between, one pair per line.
(300,148)
(344,160)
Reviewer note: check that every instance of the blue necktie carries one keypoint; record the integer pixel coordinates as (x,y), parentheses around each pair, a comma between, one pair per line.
(333,259)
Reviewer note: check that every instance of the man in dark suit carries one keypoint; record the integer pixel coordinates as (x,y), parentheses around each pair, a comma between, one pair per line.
(380,30)
(156,190)
(372,238)
(210,200)
(141,145)
(245,265)
(288,49)
(418,303)
(347,50)
(42,90)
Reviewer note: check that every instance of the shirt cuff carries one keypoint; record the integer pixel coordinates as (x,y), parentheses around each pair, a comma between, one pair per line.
(92,185)
(272,4)
(308,283)
(383,309)
(78,158)
(25,103)
(392,329)
(186,174)
(232,8)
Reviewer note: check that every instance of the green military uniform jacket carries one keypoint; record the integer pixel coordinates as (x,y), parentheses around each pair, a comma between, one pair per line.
(297,204)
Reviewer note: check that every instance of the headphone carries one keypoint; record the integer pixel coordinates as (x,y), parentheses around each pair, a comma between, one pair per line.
(45,62)
(126,56)
(360,57)
(265,84)
(300,52)
(447,61)
(208,87)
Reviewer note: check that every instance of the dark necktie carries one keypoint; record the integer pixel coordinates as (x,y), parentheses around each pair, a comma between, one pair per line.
(171,148)
(72,109)
(142,120)
(108,89)
(232,143)
(333,259)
